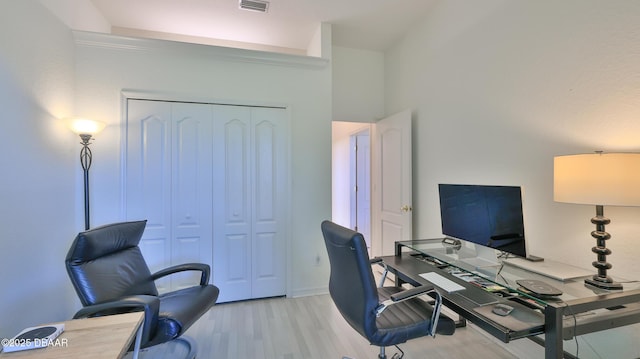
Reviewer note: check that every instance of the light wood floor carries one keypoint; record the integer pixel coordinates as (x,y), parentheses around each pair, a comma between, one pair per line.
(311,327)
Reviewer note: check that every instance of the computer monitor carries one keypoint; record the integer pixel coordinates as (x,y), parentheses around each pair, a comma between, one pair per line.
(490,216)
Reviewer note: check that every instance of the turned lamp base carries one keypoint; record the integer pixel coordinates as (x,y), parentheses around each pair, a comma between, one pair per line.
(601,280)
(603,283)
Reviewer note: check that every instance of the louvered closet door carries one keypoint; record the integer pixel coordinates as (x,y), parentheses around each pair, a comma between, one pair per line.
(168,182)
(250,202)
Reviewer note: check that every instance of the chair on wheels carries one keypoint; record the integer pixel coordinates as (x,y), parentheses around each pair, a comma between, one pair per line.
(110,276)
(385,316)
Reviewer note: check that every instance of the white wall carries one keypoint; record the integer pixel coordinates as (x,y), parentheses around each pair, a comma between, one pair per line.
(498,88)
(105,65)
(358,85)
(78,15)
(358,100)
(38,165)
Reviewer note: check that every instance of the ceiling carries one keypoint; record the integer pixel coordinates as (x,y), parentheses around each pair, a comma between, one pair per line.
(291,24)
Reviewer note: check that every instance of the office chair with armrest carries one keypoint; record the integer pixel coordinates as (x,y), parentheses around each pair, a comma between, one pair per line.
(385,316)
(110,276)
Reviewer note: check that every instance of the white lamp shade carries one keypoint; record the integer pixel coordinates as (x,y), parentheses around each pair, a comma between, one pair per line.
(611,179)
(83,126)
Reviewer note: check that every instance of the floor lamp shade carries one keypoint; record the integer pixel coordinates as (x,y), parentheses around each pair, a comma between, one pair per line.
(83,126)
(600,179)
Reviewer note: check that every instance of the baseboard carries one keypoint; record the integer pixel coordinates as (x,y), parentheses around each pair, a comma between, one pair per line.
(308,292)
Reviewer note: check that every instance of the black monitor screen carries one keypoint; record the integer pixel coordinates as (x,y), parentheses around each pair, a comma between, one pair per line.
(487,215)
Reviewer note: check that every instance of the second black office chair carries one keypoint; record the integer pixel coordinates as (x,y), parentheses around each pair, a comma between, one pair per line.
(110,276)
(385,316)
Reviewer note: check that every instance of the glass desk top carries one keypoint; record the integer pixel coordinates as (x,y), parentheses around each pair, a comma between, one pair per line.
(461,259)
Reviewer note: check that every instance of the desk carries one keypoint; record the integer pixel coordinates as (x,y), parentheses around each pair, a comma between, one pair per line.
(546,321)
(97,338)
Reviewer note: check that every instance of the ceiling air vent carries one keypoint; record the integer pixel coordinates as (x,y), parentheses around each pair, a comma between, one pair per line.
(254,5)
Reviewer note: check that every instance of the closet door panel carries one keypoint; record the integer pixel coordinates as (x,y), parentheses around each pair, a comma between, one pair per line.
(265,181)
(236,173)
(148,179)
(232,252)
(191,211)
(269,202)
(237,264)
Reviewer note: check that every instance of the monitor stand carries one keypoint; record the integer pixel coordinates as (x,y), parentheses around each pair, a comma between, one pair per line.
(469,256)
(484,260)
(485,257)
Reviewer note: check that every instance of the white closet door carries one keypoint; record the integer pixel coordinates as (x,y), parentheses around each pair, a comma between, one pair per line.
(168,182)
(191,177)
(232,250)
(212,181)
(269,201)
(250,202)
(148,179)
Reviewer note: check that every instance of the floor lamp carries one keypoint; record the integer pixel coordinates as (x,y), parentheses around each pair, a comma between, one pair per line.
(85,129)
(600,179)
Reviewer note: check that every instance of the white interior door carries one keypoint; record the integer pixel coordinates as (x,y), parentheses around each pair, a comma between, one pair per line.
(270,201)
(148,179)
(168,183)
(191,177)
(361,184)
(232,250)
(392,181)
(250,202)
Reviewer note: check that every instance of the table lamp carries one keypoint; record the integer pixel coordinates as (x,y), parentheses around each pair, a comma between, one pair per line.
(611,179)
(85,129)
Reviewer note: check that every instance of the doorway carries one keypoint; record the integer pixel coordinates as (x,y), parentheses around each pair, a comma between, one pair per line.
(351,176)
(385,148)
(360,179)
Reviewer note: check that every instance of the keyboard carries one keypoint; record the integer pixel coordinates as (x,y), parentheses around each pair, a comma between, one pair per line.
(442,282)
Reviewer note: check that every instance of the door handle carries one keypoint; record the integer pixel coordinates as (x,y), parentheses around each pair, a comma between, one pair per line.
(406,208)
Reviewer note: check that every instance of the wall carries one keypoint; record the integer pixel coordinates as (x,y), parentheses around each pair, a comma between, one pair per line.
(38,164)
(358,85)
(358,99)
(78,15)
(498,88)
(106,65)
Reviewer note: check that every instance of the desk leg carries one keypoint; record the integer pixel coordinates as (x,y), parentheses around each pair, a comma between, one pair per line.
(138,342)
(553,332)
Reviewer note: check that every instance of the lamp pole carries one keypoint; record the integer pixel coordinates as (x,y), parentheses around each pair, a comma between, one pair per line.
(85,128)
(85,161)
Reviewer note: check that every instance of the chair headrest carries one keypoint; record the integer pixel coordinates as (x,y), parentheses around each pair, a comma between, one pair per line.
(104,240)
(338,235)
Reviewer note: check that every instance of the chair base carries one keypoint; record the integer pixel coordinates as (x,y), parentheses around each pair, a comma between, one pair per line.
(179,348)
(383,355)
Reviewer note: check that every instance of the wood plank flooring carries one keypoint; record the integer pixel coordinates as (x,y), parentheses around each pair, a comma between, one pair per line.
(312,328)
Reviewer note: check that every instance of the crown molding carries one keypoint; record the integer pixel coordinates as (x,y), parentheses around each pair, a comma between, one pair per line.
(133,44)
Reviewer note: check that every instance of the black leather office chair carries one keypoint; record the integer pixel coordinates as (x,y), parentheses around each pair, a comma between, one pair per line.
(386,315)
(110,276)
